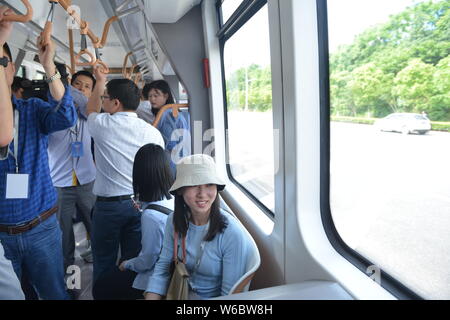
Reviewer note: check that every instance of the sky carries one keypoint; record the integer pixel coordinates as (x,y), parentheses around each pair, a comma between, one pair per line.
(346,19)
(344,24)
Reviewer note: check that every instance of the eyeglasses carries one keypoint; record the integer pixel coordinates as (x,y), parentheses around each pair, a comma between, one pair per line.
(105,97)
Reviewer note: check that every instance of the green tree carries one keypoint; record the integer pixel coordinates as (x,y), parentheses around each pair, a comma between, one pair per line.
(414,86)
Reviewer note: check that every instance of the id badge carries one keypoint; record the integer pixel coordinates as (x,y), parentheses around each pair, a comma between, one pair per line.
(77,149)
(17,186)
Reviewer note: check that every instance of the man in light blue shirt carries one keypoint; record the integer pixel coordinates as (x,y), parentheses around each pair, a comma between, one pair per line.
(73,171)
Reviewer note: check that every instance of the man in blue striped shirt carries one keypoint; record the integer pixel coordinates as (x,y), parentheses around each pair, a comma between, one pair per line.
(29,229)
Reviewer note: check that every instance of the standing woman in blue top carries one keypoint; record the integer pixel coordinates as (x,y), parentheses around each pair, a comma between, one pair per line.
(29,231)
(175,131)
(217,246)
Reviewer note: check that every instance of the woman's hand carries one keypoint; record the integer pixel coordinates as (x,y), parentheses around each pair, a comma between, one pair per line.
(152,296)
(122,266)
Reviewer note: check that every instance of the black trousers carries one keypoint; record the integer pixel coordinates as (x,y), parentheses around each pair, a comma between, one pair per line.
(116,285)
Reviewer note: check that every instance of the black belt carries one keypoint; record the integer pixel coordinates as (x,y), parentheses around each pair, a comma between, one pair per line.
(110,199)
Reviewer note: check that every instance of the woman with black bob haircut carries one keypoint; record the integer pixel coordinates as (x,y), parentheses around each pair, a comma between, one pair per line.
(216,244)
(152,178)
(176,131)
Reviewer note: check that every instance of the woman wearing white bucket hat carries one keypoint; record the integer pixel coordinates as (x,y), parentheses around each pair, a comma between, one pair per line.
(216,244)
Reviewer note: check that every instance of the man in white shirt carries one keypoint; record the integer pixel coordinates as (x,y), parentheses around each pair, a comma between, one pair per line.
(118,134)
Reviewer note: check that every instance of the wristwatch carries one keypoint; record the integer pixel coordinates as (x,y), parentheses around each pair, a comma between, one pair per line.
(57,75)
(4,61)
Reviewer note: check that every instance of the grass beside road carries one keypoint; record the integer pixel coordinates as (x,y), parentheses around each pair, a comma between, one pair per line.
(436,126)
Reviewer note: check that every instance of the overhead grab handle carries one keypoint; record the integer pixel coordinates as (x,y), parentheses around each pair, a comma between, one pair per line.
(125,62)
(91,62)
(19,17)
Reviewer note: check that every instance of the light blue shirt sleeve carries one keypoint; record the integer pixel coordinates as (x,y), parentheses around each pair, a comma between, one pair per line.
(159,281)
(235,249)
(153,224)
(56,115)
(9,284)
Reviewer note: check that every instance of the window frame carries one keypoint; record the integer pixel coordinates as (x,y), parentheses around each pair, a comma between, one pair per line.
(388,282)
(246,10)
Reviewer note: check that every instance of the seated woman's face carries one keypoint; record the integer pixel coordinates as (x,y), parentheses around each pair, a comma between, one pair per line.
(157,98)
(200,198)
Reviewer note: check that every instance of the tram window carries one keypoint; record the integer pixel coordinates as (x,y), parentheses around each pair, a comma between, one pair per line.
(389,191)
(228,8)
(249,108)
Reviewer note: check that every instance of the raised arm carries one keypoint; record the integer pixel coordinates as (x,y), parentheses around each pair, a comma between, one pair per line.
(46,55)
(6,110)
(95,101)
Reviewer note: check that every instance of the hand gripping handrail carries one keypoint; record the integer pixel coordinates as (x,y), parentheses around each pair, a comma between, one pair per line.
(19,17)
(103,67)
(46,34)
(175,110)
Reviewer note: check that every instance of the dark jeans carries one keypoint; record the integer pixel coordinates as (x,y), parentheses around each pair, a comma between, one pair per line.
(116,285)
(113,224)
(39,252)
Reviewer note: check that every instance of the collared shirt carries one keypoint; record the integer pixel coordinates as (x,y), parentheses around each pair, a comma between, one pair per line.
(118,138)
(144,112)
(37,119)
(153,224)
(177,135)
(62,163)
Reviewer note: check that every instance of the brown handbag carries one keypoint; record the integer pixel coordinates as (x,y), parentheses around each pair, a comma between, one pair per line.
(179,283)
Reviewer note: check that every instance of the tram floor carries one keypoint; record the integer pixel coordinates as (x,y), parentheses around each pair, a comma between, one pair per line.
(83,289)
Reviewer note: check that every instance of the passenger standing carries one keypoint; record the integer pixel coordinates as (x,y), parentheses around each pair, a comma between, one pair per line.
(175,131)
(144,110)
(29,229)
(118,134)
(72,167)
(152,179)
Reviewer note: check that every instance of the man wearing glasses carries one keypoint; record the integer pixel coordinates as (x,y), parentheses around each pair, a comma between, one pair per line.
(118,134)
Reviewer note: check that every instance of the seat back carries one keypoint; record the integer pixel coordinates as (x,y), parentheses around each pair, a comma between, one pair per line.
(252,264)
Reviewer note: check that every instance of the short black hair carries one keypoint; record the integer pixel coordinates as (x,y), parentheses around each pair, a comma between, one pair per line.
(152,176)
(126,91)
(160,85)
(7,50)
(83,73)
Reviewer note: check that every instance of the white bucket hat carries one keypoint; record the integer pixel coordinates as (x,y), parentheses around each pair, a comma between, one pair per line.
(196,170)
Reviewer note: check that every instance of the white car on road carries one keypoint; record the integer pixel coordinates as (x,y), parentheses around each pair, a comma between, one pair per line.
(404,123)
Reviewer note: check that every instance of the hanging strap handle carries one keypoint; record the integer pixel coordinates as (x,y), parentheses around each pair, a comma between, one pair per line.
(19,17)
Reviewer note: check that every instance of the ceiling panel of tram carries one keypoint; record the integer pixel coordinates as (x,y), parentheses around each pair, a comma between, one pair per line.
(119,42)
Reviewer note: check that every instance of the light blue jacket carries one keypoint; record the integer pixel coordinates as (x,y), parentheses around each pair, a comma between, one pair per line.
(222,263)
(153,224)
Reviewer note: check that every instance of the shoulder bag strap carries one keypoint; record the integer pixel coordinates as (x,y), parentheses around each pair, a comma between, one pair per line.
(159,208)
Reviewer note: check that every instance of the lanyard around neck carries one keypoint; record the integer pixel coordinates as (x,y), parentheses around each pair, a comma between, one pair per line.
(16,140)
